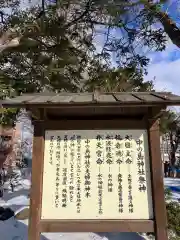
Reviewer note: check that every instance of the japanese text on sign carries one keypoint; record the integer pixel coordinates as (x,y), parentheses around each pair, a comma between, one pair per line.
(100,174)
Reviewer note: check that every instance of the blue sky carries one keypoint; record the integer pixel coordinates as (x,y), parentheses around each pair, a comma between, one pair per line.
(164,67)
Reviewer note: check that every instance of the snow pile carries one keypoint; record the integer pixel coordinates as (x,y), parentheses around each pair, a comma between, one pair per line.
(26,183)
(174,185)
(12,229)
(9,230)
(18,230)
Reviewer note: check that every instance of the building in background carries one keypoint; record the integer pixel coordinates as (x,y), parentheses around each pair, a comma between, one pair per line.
(166,148)
(8,137)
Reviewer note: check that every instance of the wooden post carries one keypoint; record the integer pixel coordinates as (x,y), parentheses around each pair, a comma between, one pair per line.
(157,181)
(36,185)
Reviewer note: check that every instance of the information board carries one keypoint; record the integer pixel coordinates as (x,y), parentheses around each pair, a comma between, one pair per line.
(96,174)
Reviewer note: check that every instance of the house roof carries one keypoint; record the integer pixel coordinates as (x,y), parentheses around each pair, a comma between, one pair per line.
(125,99)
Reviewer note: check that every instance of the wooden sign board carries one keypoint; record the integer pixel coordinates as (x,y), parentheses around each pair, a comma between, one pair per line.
(97,176)
(96,162)
(91,174)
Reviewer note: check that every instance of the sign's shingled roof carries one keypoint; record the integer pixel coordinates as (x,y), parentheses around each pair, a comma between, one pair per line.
(96,98)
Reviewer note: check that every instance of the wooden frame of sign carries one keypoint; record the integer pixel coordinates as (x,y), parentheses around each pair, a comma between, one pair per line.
(156,224)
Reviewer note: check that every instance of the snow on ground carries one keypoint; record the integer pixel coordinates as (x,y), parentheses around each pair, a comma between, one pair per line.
(18,230)
(174,185)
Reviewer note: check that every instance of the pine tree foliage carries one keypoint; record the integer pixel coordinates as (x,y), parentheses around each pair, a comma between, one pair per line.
(117,80)
(8,116)
(173,214)
(56,45)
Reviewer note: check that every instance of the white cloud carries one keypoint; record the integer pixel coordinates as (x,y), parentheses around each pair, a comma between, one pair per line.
(166,74)
(26,3)
(164,69)
(166,77)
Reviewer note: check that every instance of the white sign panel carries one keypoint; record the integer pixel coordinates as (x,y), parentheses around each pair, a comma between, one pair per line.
(96,174)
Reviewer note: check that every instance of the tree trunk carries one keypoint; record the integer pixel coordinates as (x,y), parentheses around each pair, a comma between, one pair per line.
(173,158)
(169,25)
(170,28)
